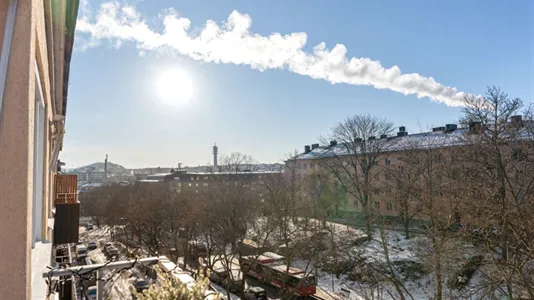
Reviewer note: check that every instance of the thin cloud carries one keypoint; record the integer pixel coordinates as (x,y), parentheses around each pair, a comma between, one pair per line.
(232,42)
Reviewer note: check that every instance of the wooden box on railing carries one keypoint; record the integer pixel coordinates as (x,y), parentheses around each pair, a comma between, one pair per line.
(66,189)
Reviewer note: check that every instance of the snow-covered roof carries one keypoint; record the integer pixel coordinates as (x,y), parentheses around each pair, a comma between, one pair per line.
(88,186)
(232,173)
(424,140)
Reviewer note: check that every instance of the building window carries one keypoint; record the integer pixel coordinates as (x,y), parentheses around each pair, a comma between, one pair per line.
(389,206)
(205,177)
(304,166)
(355,203)
(311,165)
(377,191)
(192,178)
(197,184)
(189,184)
(387,162)
(205,184)
(38,162)
(517,154)
(377,204)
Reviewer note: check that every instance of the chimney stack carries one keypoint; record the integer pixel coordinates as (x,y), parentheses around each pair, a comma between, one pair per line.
(215,153)
(106,167)
(450,127)
(517,121)
(314,146)
(402,131)
(307,149)
(475,127)
(333,143)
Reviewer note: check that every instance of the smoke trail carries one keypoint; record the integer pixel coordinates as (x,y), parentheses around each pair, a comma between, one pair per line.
(232,42)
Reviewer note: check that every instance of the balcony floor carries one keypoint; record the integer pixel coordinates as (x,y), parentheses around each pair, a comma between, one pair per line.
(41,256)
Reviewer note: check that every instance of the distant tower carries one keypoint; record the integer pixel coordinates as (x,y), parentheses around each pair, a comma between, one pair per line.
(215,153)
(106,167)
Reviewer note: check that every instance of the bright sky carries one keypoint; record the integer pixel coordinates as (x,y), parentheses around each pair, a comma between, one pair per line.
(155,83)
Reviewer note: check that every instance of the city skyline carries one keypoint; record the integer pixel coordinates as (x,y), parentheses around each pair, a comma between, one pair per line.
(160,96)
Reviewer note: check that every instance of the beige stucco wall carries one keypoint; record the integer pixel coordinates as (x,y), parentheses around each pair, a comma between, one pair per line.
(16,149)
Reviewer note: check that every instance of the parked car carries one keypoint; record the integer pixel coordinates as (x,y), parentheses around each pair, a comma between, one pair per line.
(141,285)
(81,251)
(92,246)
(112,252)
(255,293)
(91,293)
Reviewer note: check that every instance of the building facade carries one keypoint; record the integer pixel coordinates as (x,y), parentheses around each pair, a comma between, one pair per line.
(195,182)
(36,40)
(399,157)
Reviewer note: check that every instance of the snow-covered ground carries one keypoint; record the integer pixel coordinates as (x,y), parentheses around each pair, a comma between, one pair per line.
(341,287)
(118,283)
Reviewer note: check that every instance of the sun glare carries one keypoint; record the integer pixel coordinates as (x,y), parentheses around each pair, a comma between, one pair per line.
(175,87)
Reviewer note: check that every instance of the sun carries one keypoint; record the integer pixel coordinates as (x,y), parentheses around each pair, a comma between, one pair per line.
(175,87)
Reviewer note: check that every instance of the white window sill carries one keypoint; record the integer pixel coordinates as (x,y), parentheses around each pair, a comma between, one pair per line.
(41,257)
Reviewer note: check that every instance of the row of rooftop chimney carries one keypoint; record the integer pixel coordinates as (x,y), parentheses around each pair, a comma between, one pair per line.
(402,132)
(473,126)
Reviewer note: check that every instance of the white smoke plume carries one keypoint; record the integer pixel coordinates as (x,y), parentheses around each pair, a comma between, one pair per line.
(232,42)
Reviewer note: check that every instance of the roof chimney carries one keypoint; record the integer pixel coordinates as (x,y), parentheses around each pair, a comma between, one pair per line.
(517,120)
(451,127)
(314,146)
(333,143)
(307,149)
(383,136)
(402,131)
(475,127)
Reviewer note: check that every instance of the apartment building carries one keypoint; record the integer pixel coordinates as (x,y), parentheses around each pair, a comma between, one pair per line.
(391,162)
(180,180)
(36,39)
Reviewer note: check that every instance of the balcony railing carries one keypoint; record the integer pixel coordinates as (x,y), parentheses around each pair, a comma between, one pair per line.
(66,187)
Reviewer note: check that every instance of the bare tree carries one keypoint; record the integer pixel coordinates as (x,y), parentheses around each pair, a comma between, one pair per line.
(499,181)
(148,210)
(229,206)
(400,184)
(353,156)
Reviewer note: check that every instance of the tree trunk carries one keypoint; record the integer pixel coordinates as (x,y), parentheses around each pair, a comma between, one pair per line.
(406,220)
(439,280)
(368,223)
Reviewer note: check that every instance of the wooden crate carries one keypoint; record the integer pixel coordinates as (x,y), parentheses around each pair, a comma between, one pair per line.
(66,189)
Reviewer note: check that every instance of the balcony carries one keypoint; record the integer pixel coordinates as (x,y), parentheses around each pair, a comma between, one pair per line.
(67,216)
